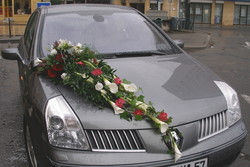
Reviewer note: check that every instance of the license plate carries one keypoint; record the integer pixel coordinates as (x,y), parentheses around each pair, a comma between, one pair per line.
(197,163)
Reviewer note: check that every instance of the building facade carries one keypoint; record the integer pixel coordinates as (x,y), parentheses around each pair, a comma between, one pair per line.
(17,10)
(224,12)
(221,12)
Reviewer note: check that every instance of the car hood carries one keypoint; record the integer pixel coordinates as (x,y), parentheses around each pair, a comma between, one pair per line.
(177,84)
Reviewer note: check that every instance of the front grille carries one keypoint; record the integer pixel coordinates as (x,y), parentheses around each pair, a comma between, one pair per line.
(212,125)
(115,140)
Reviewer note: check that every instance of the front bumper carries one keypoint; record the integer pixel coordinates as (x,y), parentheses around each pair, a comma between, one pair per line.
(218,149)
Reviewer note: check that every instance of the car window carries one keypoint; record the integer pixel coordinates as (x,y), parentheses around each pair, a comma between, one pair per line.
(104,32)
(30,32)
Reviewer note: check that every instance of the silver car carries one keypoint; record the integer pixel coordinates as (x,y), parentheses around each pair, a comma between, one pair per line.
(204,108)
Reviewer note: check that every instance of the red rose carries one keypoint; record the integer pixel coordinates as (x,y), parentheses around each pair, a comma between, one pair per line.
(163,116)
(97,72)
(138,112)
(120,102)
(59,57)
(117,80)
(57,67)
(52,73)
(80,63)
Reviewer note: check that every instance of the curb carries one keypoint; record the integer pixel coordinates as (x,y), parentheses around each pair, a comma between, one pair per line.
(200,46)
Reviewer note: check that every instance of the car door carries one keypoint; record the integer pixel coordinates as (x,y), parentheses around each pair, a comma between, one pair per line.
(26,51)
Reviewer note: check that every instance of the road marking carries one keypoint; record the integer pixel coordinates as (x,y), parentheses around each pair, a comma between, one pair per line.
(246,97)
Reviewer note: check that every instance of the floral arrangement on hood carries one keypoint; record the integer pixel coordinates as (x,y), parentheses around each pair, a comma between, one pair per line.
(80,68)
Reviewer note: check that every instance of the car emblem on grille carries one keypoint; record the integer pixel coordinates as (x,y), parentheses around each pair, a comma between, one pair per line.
(176,136)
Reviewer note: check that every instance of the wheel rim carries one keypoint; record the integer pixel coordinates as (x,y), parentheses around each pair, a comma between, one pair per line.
(30,149)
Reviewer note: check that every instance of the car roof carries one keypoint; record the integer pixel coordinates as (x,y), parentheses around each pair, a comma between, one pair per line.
(65,8)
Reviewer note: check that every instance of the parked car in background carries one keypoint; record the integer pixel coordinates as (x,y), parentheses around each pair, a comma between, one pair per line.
(204,108)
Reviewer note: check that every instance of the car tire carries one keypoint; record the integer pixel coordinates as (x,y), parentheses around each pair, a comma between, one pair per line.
(29,146)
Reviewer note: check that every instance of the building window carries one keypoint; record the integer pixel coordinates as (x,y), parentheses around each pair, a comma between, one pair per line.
(182,9)
(22,7)
(155,5)
(200,13)
(242,15)
(218,13)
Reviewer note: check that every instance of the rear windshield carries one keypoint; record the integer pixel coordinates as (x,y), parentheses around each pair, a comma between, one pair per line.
(104,32)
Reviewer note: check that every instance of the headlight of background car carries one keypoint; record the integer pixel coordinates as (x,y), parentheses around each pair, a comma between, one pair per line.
(63,127)
(233,106)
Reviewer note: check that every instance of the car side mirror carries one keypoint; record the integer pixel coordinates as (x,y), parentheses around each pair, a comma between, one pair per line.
(11,54)
(180,43)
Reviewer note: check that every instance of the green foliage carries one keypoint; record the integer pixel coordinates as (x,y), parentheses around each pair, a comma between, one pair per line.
(140,98)
(126,115)
(138,117)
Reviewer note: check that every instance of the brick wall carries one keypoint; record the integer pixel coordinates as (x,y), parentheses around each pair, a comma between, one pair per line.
(171,8)
(228,13)
(212,12)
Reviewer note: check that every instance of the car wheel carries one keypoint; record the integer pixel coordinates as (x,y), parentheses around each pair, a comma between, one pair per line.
(29,147)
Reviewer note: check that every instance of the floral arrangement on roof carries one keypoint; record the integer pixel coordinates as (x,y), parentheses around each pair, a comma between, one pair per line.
(80,68)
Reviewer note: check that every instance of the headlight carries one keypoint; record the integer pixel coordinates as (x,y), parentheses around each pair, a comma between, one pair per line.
(63,127)
(233,106)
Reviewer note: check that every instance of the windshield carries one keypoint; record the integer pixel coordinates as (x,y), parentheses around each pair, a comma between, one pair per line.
(106,33)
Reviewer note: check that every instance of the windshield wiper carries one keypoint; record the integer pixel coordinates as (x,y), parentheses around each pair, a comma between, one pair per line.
(136,54)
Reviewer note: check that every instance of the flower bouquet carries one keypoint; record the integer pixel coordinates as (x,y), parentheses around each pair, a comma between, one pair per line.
(80,68)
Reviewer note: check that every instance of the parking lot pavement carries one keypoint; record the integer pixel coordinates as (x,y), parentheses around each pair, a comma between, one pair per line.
(192,40)
(12,149)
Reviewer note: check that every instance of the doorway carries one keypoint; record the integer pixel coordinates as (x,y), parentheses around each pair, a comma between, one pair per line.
(200,13)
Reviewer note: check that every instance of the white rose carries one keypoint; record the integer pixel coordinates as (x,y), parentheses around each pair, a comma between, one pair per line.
(99,86)
(64,43)
(130,87)
(78,50)
(79,45)
(70,50)
(53,52)
(61,40)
